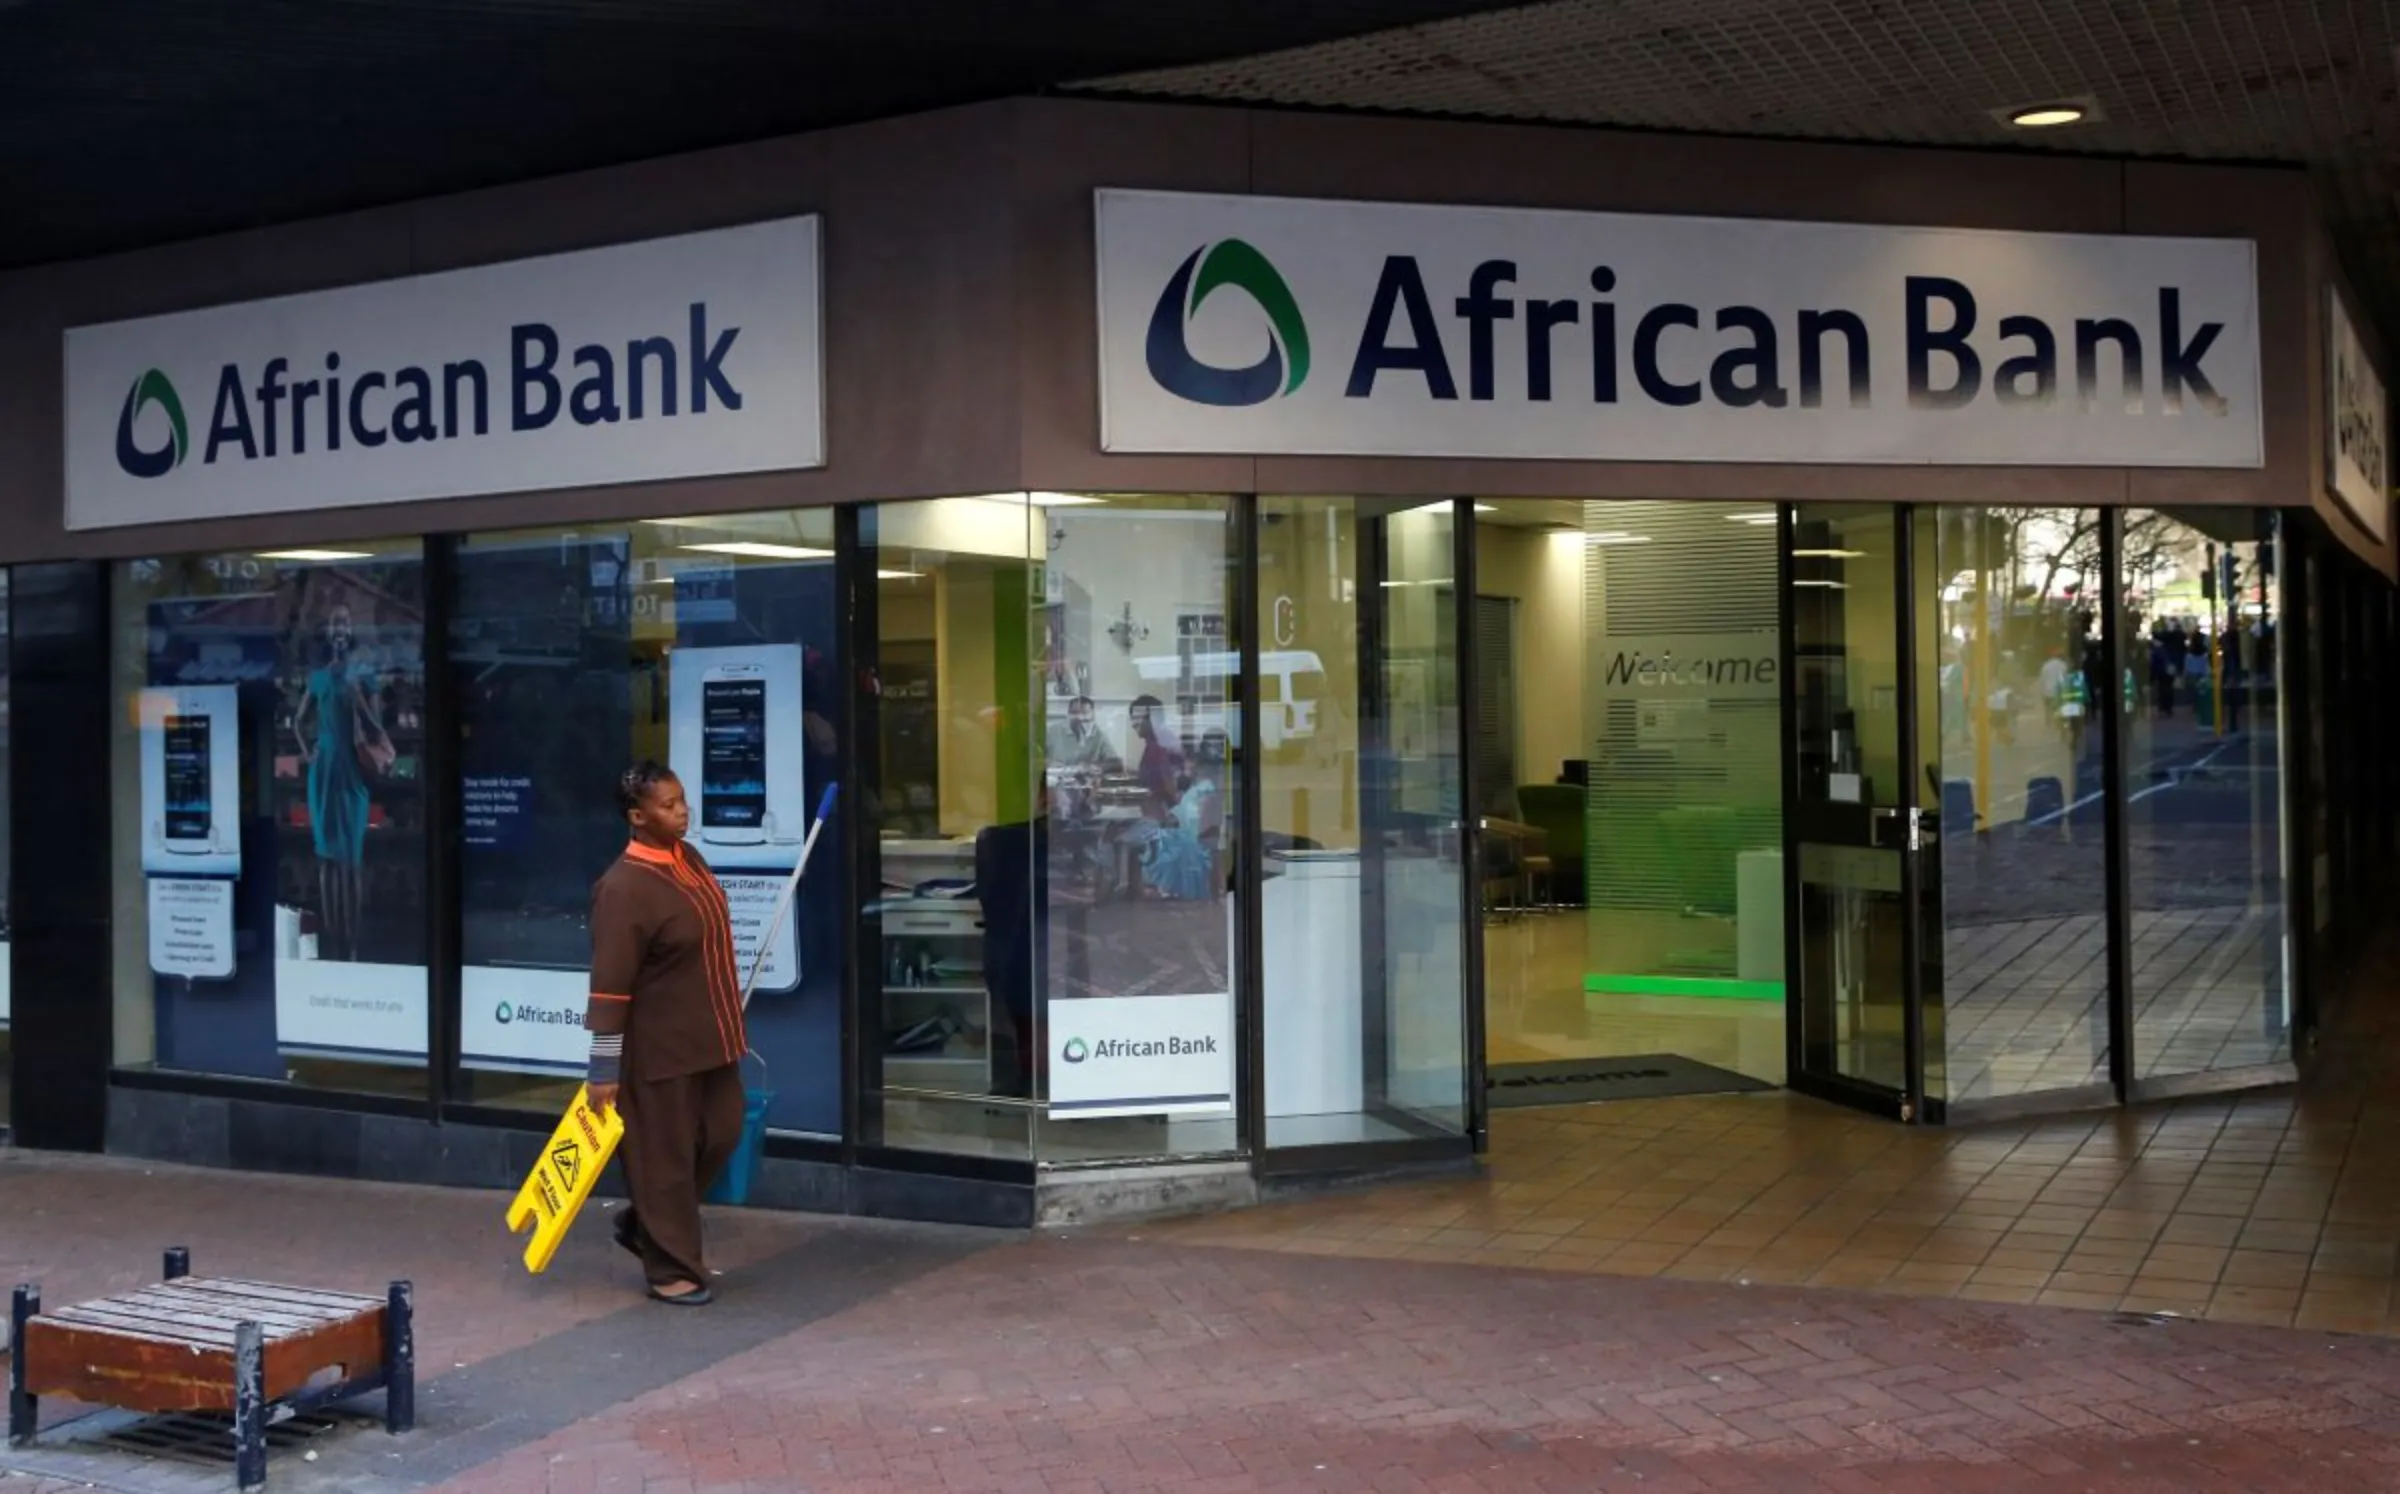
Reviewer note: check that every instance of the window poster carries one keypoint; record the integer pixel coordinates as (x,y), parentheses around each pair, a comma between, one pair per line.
(544,637)
(281,814)
(349,977)
(735,733)
(191,847)
(660,643)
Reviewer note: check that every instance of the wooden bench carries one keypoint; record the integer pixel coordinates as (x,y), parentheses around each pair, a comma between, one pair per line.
(244,1348)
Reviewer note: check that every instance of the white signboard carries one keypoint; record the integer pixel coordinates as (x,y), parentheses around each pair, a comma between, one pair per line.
(1141,1055)
(679,357)
(735,739)
(190,744)
(2358,443)
(191,928)
(523,1021)
(340,1009)
(1265,325)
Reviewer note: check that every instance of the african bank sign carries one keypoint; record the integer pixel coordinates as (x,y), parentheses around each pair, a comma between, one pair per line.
(698,355)
(1279,326)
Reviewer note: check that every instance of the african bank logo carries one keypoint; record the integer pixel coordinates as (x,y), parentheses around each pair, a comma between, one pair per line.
(1076,1051)
(1227,262)
(152,388)
(504,1014)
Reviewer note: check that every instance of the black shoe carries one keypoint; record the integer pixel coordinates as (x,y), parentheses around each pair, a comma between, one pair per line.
(627,1233)
(699,1297)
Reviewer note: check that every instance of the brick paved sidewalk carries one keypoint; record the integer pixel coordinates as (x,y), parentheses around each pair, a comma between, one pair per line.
(1076,1366)
(856,1357)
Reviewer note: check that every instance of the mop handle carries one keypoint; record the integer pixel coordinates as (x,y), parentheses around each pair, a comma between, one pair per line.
(791,886)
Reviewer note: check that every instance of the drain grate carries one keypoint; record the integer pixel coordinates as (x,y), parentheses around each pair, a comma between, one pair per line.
(206,1437)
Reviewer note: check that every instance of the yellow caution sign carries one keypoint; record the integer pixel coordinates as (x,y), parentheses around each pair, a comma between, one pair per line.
(569,1168)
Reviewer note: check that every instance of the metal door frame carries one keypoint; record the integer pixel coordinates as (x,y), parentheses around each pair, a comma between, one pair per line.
(1908,1103)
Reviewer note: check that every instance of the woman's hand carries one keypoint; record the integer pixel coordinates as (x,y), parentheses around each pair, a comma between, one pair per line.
(600,1097)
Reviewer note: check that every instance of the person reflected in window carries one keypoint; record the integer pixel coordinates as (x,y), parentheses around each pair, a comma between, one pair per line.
(667,1030)
(342,741)
(1155,762)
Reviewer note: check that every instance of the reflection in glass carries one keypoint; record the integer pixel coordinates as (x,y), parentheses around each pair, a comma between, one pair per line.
(5,924)
(947,1001)
(1055,749)
(709,645)
(269,816)
(2024,861)
(1852,788)
(1362,902)
(2201,708)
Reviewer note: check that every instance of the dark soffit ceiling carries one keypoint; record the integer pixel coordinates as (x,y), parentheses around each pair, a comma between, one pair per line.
(126,123)
(2310,83)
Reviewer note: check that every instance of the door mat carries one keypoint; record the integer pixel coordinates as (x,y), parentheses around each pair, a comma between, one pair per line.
(1580,1081)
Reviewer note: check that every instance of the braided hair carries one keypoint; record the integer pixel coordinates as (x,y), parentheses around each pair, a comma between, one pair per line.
(635,783)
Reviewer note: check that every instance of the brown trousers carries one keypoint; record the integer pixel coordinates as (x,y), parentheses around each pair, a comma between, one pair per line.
(679,1134)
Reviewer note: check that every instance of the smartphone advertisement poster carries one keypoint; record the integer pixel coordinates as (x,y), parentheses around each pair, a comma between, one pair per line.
(735,740)
(191,752)
(190,739)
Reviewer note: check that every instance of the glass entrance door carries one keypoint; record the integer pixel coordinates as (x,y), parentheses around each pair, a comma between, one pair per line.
(1860,831)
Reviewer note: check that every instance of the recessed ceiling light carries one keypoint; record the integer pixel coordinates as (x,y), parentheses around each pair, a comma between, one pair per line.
(1828,554)
(2049,114)
(327,555)
(760,550)
(899,575)
(1757,519)
(1616,537)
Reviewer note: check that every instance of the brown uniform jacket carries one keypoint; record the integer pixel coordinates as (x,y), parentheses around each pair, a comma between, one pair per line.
(666,994)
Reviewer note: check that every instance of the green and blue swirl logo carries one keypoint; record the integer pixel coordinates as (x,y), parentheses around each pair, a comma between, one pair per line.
(1075,1051)
(1227,262)
(152,388)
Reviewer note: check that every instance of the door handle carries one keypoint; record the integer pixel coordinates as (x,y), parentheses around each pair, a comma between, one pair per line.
(1896,829)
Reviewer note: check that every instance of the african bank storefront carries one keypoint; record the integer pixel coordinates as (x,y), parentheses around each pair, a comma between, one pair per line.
(1318,626)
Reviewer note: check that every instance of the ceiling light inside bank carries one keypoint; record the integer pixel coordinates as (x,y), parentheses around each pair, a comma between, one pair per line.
(760,550)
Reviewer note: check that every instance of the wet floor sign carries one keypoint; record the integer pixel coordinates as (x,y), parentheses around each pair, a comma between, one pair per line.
(569,1168)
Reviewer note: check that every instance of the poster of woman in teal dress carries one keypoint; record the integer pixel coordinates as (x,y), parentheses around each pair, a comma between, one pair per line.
(342,740)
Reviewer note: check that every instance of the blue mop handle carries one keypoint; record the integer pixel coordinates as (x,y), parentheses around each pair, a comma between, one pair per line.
(791,888)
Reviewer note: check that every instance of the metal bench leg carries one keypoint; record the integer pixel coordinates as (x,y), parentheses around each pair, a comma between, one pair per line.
(179,1263)
(400,1359)
(249,1407)
(23,1407)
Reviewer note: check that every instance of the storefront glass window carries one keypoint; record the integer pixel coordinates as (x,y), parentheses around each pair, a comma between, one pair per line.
(6,963)
(2202,797)
(2024,871)
(707,644)
(1051,781)
(1363,899)
(269,815)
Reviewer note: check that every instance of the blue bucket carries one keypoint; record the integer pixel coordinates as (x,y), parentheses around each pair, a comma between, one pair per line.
(733,1185)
